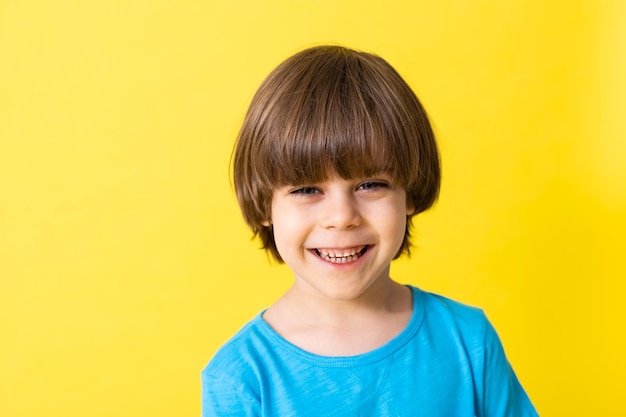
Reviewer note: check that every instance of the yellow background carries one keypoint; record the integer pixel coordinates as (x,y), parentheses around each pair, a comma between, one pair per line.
(124,262)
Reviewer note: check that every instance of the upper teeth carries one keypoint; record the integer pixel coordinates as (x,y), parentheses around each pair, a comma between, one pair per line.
(340,253)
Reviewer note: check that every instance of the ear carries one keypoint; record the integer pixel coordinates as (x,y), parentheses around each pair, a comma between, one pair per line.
(266,223)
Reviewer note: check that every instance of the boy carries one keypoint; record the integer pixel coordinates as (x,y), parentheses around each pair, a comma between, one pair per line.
(335,157)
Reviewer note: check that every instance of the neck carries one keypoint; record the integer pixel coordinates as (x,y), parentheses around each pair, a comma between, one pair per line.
(336,327)
(381,298)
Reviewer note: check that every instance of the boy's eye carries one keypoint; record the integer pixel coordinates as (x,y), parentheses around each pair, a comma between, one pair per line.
(305,191)
(372,185)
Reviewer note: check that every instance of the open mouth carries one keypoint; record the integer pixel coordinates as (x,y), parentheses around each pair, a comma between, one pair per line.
(342,256)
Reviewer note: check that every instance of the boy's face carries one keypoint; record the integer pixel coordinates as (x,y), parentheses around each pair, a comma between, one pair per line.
(339,236)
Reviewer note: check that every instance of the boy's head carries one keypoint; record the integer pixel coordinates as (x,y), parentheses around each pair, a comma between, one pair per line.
(331,111)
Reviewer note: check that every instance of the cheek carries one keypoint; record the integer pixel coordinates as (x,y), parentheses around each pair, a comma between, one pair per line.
(285,219)
(288,228)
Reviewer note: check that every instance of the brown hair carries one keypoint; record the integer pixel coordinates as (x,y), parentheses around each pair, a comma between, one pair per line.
(326,111)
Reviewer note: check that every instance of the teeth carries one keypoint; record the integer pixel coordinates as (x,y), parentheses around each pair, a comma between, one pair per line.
(341,256)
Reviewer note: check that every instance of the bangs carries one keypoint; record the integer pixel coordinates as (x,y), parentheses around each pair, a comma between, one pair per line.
(340,147)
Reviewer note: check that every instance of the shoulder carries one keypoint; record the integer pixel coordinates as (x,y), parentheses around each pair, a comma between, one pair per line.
(457,325)
(235,355)
(438,309)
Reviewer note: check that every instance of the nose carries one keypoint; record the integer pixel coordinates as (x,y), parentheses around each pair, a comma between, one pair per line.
(340,212)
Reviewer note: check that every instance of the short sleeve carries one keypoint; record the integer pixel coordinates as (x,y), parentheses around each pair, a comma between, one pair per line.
(221,397)
(503,395)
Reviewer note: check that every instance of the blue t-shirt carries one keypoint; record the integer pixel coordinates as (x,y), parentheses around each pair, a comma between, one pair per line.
(447,362)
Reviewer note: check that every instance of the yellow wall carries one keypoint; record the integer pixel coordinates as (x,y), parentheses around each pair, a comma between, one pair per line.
(124,262)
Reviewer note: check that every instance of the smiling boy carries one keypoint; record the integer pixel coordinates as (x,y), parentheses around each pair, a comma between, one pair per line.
(335,157)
